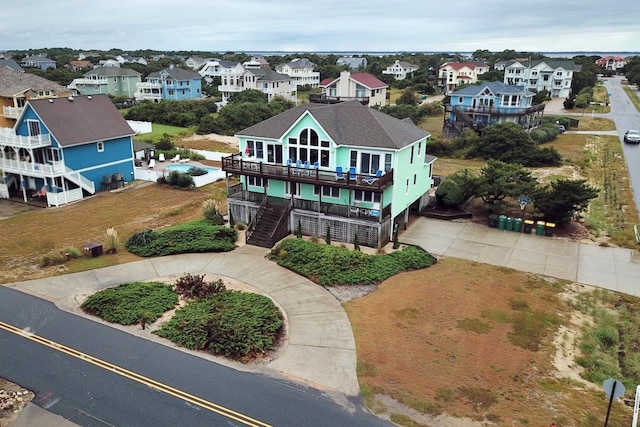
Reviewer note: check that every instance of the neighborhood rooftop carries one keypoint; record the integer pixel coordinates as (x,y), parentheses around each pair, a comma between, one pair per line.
(348,123)
(73,121)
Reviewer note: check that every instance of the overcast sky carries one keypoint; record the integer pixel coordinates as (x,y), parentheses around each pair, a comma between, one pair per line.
(328,25)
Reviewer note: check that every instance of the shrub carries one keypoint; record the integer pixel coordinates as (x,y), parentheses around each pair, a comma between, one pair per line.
(185,181)
(141,238)
(194,286)
(196,171)
(327,237)
(131,303)
(112,240)
(53,259)
(235,324)
(330,265)
(188,237)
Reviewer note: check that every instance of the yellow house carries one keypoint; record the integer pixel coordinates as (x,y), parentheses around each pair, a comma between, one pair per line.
(16,88)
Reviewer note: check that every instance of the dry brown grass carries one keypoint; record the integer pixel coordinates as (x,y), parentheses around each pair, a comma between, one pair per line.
(412,345)
(27,237)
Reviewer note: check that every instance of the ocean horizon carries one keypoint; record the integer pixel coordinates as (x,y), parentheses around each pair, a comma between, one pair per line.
(555,54)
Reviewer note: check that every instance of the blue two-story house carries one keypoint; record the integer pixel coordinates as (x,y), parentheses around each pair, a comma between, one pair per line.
(62,150)
(478,106)
(345,167)
(170,84)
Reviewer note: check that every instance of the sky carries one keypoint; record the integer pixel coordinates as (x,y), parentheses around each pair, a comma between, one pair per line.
(324,26)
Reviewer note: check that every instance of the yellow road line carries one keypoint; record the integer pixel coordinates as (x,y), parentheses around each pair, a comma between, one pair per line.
(213,407)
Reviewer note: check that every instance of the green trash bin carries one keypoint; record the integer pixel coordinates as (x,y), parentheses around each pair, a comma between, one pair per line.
(528,226)
(540,228)
(548,229)
(509,226)
(493,220)
(517,224)
(502,219)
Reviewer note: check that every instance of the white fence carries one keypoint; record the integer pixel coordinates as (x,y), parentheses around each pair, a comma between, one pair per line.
(140,127)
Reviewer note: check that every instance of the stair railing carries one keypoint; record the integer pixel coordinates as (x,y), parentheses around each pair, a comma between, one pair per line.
(255,219)
(281,229)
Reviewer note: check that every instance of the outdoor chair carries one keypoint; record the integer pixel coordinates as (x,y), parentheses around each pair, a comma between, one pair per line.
(372,179)
(161,157)
(352,173)
(339,173)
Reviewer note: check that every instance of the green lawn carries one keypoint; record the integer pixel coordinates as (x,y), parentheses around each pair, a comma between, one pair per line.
(159,130)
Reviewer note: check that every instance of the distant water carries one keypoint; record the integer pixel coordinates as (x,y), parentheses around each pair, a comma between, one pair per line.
(389,53)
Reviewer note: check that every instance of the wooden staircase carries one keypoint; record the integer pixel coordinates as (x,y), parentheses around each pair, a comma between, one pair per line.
(271,225)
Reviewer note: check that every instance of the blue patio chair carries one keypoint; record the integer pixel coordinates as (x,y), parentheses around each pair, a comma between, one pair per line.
(372,179)
(339,173)
(352,173)
(298,166)
(289,162)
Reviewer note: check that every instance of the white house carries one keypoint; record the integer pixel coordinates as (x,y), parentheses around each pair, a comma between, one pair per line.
(262,79)
(400,70)
(552,76)
(301,72)
(221,68)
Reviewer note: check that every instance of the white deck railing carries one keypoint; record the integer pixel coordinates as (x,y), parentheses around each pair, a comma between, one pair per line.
(80,180)
(32,169)
(9,138)
(11,112)
(64,197)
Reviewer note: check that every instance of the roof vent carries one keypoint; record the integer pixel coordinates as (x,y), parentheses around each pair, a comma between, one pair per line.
(70,98)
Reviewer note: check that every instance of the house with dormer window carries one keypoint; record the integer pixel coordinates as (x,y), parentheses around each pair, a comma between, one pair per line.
(344,166)
(478,106)
(62,150)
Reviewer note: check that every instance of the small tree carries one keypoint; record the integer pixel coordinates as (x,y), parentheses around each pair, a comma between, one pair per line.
(499,180)
(327,237)
(396,243)
(356,245)
(564,199)
(408,97)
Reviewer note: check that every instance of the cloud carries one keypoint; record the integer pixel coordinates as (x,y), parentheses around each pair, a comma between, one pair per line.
(357,25)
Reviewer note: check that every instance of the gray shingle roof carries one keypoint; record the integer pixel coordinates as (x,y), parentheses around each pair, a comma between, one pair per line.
(268,75)
(14,82)
(83,120)
(347,123)
(179,74)
(10,63)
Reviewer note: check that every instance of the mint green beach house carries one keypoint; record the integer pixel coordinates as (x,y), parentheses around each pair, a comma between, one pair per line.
(344,166)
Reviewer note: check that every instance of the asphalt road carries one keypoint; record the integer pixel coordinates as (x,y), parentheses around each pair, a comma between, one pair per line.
(626,117)
(90,395)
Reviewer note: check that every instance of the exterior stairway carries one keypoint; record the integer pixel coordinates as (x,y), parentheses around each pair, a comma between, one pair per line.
(263,234)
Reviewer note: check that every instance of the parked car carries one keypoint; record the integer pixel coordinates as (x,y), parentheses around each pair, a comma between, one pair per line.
(632,136)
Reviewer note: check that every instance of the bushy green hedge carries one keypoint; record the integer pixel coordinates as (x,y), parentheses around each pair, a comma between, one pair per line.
(130,303)
(231,323)
(333,265)
(189,237)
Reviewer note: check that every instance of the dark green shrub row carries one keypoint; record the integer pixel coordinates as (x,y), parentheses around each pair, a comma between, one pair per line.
(174,113)
(189,237)
(131,303)
(330,265)
(235,324)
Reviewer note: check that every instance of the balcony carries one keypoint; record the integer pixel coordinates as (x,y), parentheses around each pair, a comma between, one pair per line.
(499,111)
(12,112)
(10,139)
(327,99)
(24,167)
(149,85)
(355,211)
(236,165)
(89,82)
